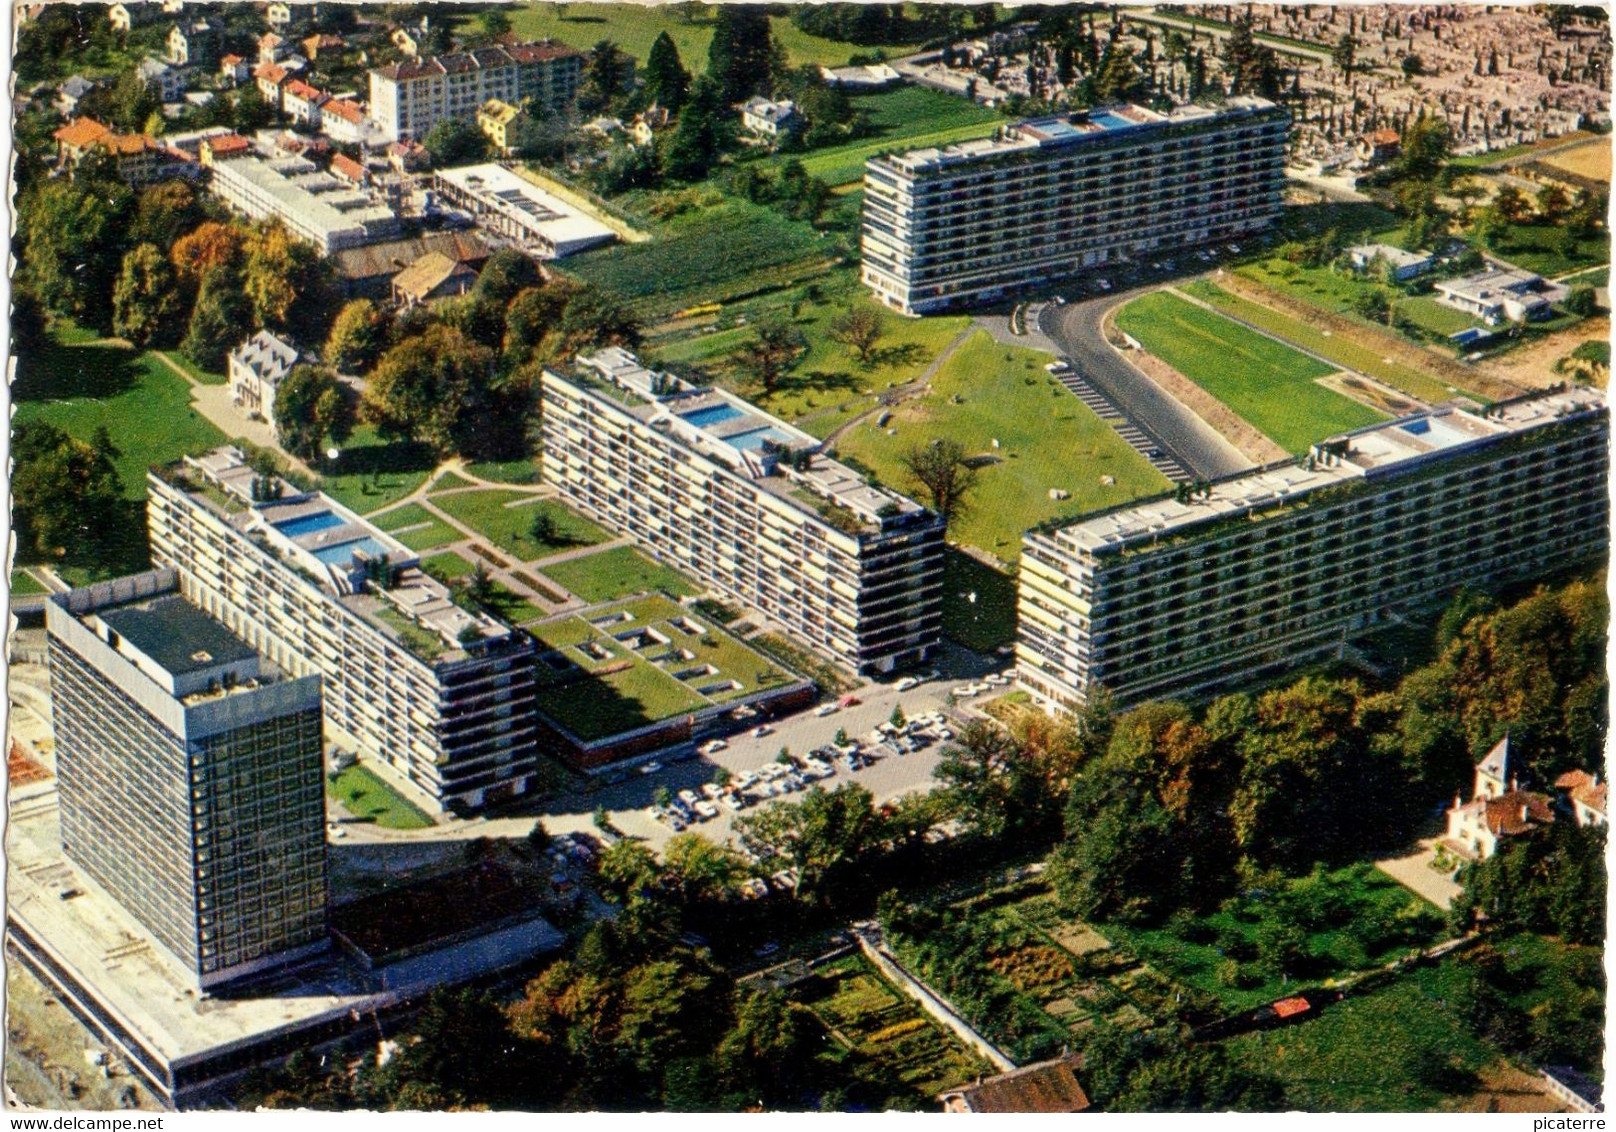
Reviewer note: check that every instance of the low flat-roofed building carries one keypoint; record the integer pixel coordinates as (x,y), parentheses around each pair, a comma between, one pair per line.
(1404,265)
(509,205)
(870,76)
(314,205)
(769,118)
(1501,293)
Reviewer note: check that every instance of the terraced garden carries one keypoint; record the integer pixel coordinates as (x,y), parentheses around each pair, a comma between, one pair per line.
(618,572)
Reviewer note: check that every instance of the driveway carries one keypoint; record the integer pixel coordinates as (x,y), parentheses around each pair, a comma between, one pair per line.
(1413,871)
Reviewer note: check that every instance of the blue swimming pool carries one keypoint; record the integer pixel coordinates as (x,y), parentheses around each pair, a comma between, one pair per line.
(713,414)
(308,524)
(340,554)
(747,441)
(1110,121)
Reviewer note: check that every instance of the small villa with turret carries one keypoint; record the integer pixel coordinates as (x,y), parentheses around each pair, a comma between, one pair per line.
(1498,809)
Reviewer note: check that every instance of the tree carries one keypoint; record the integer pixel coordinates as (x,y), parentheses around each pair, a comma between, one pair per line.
(742,57)
(981,781)
(1426,147)
(859,328)
(667,83)
(358,334)
(505,275)
(220,318)
(772,351)
(941,470)
(1512,204)
(67,497)
(1413,66)
(311,408)
(603,77)
(291,286)
(1581,300)
(543,529)
(147,307)
(1117,77)
(435,387)
(71,247)
(1253,67)
(164,212)
(1343,55)
(209,247)
(454,141)
(493,23)
(1371,304)
(1552,204)
(702,130)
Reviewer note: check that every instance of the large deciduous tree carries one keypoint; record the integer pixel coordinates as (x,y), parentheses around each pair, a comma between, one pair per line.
(147,307)
(435,387)
(859,328)
(771,352)
(357,336)
(940,469)
(311,408)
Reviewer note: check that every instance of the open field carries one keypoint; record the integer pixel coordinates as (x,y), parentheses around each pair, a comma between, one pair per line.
(870,1020)
(507,471)
(828,374)
(1590,160)
(634,27)
(1536,247)
(446,567)
(724,249)
(1597,277)
(144,406)
(367,797)
(1345,351)
(639,663)
(1425,312)
(617,573)
(1046,439)
(427,530)
(510,527)
(1267,383)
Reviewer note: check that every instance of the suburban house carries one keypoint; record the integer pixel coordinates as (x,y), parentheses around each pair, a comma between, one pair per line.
(1048,1086)
(166,82)
(1498,294)
(71,93)
(222,148)
(302,102)
(1498,809)
(256,369)
(271,79)
(343,120)
(496,119)
(770,119)
(126,17)
(1403,265)
(642,130)
(349,170)
(234,70)
(1586,796)
(194,43)
(138,159)
(272,48)
(432,277)
(1379,147)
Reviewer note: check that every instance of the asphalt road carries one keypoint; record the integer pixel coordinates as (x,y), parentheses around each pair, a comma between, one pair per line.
(1075,328)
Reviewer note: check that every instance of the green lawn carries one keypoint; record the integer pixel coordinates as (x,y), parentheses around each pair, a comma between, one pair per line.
(365,795)
(206,377)
(435,532)
(1537,248)
(371,472)
(1597,277)
(508,527)
(1425,312)
(718,251)
(23,584)
(990,620)
(1269,384)
(509,606)
(634,27)
(144,406)
(508,471)
(1347,352)
(1047,439)
(616,573)
(446,567)
(827,375)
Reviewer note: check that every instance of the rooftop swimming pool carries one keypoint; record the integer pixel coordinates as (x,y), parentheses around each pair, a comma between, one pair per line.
(747,441)
(308,524)
(713,414)
(1109,121)
(339,554)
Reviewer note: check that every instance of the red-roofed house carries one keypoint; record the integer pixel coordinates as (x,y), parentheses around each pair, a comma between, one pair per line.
(343,120)
(271,79)
(223,148)
(272,48)
(301,102)
(233,70)
(1477,827)
(349,170)
(1586,795)
(138,159)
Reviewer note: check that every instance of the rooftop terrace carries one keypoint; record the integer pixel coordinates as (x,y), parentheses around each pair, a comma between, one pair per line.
(1381,450)
(719,425)
(373,574)
(1079,127)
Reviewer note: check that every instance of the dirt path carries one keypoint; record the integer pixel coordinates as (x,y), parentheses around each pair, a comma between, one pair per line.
(907,391)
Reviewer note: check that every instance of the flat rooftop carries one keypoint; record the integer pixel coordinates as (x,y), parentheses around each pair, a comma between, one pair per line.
(318,200)
(1380,450)
(335,546)
(1059,131)
(544,214)
(716,423)
(177,635)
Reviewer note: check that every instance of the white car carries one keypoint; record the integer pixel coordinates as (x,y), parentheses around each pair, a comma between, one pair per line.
(688,797)
(706,809)
(713,746)
(651,767)
(965,690)
(826,709)
(761,730)
(733,802)
(995,679)
(908,682)
(711,789)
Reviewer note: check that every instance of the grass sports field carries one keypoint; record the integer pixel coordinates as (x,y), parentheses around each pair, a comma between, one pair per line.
(1269,384)
(641,662)
(616,573)
(1046,439)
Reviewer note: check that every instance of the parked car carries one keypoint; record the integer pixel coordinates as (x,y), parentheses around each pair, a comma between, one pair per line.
(650,767)
(851,701)
(711,789)
(713,746)
(733,801)
(688,797)
(706,809)
(906,683)
(761,730)
(826,709)
(965,691)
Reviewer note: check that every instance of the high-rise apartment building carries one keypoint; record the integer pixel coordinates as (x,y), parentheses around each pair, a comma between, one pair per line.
(1051,197)
(408,98)
(439,697)
(1269,570)
(751,506)
(190,774)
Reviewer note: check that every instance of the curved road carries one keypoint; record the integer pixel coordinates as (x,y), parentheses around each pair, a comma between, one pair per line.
(1075,328)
